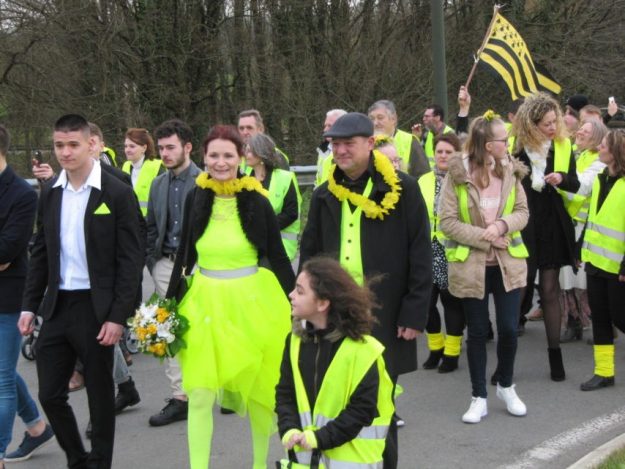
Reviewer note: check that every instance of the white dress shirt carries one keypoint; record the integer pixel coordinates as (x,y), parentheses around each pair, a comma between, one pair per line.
(74,269)
(135,169)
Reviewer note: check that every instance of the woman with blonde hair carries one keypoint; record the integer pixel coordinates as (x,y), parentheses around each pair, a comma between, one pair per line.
(542,144)
(482,210)
(574,296)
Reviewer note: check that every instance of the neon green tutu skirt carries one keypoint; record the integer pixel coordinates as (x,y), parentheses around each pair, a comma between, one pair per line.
(237,329)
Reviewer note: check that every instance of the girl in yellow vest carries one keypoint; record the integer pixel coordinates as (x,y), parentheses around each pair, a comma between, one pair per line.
(543,145)
(482,210)
(141,163)
(588,165)
(603,251)
(445,347)
(334,396)
(262,161)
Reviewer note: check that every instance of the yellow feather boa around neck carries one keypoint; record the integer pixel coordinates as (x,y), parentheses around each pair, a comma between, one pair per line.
(370,208)
(231,187)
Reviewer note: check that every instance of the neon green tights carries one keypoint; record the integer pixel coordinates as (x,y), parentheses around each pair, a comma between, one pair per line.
(200,429)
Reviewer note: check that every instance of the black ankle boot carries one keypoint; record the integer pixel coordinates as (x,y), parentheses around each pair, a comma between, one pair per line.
(574,330)
(433,359)
(555,364)
(448,364)
(127,395)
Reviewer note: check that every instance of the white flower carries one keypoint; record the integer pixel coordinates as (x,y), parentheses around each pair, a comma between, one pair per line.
(164,333)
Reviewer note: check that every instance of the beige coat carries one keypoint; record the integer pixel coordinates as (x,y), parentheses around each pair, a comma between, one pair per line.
(466,279)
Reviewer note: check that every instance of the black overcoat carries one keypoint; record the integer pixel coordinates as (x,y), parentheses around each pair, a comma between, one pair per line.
(398,248)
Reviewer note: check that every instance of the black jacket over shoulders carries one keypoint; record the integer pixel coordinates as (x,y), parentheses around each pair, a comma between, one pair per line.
(315,355)
(17,215)
(259,225)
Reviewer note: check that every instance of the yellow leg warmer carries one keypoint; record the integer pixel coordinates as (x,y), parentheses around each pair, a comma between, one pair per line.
(604,360)
(200,427)
(453,345)
(436,341)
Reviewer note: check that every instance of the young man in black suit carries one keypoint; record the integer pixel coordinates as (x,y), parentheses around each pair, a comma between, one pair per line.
(87,259)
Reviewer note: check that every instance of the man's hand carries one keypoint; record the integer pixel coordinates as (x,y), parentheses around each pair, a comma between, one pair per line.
(43,171)
(26,323)
(612,107)
(417,130)
(464,101)
(4,266)
(407,333)
(110,333)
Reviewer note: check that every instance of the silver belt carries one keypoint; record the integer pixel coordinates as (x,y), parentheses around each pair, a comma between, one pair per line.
(230,273)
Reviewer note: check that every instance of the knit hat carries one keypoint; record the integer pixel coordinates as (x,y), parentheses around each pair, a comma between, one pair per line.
(577,101)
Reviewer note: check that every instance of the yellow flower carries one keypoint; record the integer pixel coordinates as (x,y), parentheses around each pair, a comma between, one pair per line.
(370,208)
(490,115)
(141,333)
(231,187)
(158,349)
(161,315)
(151,329)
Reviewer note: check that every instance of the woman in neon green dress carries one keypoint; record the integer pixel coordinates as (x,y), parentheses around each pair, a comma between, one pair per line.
(238,312)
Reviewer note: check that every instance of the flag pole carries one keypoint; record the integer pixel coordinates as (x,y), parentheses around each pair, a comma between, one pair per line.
(476,59)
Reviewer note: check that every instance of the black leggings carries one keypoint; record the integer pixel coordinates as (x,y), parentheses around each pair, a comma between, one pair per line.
(606,297)
(452,307)
(549,293)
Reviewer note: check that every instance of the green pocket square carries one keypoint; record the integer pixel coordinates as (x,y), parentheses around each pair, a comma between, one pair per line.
(102,210)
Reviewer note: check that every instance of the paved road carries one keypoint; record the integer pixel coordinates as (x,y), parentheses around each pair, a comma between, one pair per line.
(562,424)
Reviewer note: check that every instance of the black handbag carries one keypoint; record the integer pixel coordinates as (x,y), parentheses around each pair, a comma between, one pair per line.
(291,462)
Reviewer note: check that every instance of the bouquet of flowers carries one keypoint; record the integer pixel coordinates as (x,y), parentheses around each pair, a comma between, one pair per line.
(159,328)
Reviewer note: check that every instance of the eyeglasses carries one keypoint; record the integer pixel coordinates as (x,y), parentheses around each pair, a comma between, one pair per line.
(504,140)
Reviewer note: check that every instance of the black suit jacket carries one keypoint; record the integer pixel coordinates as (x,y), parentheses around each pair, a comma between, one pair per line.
(113,247)
(17,215)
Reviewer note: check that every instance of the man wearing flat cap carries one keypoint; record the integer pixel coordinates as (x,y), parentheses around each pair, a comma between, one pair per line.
(374,221)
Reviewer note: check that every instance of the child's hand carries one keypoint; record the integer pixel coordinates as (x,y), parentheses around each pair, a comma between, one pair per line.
(291,438)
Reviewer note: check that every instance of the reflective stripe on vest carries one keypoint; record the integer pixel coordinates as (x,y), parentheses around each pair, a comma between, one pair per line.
(577,205)
(149,170)
(604,238)
(427,183)
(456,252)
(403,144)
(429,144)
(351,255)
(345,372)
(279,185)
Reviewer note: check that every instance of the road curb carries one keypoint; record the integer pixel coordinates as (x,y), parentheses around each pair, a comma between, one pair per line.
(598,455)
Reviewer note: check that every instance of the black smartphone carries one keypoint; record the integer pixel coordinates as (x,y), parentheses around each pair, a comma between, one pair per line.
(37,158)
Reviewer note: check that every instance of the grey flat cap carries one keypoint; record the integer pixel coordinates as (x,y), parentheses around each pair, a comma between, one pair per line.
(352,124)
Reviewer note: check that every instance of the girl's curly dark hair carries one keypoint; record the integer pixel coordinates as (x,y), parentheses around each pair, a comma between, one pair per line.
(350,304)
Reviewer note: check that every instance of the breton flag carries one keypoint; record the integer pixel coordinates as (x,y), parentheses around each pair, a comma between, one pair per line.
(505,53)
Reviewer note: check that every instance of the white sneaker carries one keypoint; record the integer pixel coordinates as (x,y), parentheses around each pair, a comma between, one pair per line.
(514,405)
(477,410)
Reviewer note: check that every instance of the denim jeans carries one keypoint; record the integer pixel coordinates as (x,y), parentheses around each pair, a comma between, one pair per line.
(14,396)
(507,313)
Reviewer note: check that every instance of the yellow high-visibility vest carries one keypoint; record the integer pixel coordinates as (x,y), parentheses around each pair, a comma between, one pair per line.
(604,238)
(348,367)
(147,173)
